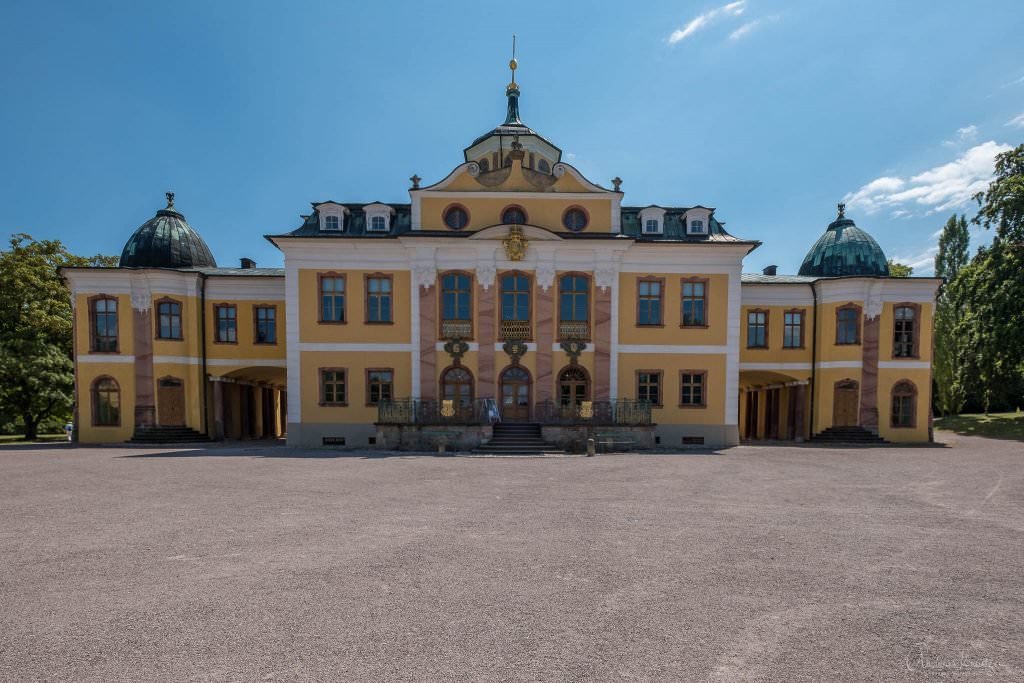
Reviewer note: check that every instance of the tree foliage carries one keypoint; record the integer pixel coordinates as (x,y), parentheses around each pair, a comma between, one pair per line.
(36,373)
(897,269)
(979,326)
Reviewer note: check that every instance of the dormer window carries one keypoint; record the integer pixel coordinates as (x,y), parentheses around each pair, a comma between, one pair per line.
(652,220)
(697,227)
(378,217)
(332,217)
(543,166)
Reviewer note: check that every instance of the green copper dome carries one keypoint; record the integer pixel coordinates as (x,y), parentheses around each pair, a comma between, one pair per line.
(166,241)
(844,249)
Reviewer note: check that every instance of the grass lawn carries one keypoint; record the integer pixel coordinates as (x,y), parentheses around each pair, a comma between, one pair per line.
(43,438)
(994,425)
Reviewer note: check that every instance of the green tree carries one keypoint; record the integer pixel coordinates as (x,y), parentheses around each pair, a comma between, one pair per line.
(897,269)
(954,242)
(36,372)
(953,245)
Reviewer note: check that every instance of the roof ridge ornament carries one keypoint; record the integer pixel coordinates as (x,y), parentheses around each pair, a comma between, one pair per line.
(170,199)
(842,210)
(512,91)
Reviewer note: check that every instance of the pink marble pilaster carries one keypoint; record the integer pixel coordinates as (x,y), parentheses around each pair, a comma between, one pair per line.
(145,399)
(485,338)
(428,342)
(602,343)
(545,335)
(869,375)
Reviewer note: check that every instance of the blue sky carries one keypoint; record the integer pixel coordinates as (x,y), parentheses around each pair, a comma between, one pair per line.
(770,111)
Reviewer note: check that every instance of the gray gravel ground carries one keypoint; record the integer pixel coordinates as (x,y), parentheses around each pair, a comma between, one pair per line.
(758,563)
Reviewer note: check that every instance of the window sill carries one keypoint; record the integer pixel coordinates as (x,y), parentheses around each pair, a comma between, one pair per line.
(333,405)
(694,327)
(692,407)
(757,348)
(172,339)
(259,343)
(331,322)
(378,322)
(856,343)
(650,324)
(105,353)
(226,343)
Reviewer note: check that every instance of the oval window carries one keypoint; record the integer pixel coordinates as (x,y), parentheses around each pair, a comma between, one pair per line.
(456,218)
(575,219)
(513,215)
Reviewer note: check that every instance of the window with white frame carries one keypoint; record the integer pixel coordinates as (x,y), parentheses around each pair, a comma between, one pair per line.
(697,227)
(378,217)
(332,217)
(652,220)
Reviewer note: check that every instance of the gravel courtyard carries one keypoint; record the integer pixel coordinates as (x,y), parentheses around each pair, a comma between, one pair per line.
(757,563)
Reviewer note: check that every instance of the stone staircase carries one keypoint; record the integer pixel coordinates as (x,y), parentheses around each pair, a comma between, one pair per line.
(512,438)
(163,435)
(848,435)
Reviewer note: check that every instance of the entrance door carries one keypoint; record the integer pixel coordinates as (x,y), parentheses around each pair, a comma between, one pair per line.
(515,395)
(844,413)
(170,402)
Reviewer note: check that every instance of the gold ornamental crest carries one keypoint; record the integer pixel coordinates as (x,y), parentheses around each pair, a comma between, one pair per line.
(515,244)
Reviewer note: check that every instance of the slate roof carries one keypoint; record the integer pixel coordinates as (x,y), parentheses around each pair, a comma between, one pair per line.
(845,249)
(760,279)
(166,241)
(354,225)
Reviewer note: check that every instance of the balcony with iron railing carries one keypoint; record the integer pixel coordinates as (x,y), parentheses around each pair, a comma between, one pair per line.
(456,329)
(414,411)
(573,330)
(515,330)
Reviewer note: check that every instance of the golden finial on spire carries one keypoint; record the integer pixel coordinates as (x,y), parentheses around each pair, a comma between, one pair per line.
(513,64)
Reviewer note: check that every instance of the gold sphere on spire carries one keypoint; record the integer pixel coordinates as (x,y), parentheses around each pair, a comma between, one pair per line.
(513,64)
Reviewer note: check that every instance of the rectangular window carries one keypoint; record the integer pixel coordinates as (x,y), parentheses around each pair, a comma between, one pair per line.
(847,327)
(648,386)
(651,225)
(378,299)
(265,318)
(332,298)
(104,325)
(757,330)
(227,323)
(691,388)
(168,320)
(694,303)
(379,385)
(515,307)
(456,306)
(793,329)
(697,227)
(378,224)
(333,387)
(648,310)
(903,341)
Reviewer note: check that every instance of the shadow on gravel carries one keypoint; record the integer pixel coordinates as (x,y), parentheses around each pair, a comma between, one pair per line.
(37,446)
(280,452)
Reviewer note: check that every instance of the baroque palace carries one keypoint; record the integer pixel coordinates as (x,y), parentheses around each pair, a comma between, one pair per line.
(513,293)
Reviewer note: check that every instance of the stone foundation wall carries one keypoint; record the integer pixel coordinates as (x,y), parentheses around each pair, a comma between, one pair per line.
(429,437)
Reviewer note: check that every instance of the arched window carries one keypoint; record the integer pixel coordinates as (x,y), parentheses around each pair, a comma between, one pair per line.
(573,386)
(106,402)
(573,306)
(904,404)
(543,166)
(513,215)
(457,386)
(456,217)
(484,165)
(575,219)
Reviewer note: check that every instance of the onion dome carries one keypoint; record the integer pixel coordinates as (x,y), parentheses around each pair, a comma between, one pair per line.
(166,241)
(844,249)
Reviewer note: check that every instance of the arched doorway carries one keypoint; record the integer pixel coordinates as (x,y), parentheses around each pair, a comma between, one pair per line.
(170,402)
(457,387)
(845,406)
(515,394)
(573,386)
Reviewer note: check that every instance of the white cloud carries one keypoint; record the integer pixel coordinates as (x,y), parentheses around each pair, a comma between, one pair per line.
(701,21)
(750,26)
(938,189)
(1017,121)
(964,135)
(922,263)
